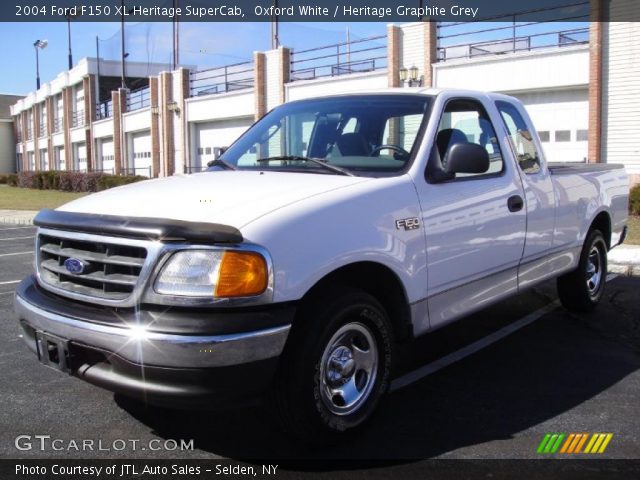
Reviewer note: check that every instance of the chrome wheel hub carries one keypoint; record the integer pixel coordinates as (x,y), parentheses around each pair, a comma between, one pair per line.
(348,369)
(594,270)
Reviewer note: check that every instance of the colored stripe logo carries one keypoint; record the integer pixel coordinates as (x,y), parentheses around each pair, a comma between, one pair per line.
(573,443)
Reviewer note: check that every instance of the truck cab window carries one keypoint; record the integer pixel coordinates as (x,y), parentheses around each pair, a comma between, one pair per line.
(371,135)
(520,137)
(466,121)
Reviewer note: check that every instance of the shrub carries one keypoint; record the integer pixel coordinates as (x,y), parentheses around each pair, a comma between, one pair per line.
(634,200)
(27,180)
(3,178)
(12,180)
(72,181)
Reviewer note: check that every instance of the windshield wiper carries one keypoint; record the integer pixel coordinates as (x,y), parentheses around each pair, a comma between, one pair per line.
(316,161)
(220,163)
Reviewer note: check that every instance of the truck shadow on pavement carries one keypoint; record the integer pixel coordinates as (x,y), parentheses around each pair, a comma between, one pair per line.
(541,372)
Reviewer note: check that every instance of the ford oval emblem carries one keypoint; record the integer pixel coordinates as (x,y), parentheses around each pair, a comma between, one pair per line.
(75,266)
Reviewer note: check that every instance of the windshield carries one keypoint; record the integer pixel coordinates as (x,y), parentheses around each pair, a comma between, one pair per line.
(358,134)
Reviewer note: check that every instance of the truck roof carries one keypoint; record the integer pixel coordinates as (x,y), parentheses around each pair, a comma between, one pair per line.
(415,91)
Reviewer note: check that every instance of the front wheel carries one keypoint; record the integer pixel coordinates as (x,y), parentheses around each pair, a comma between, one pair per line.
(336,366)
(582,289)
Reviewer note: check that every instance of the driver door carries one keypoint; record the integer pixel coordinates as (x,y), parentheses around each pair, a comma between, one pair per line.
(474,232)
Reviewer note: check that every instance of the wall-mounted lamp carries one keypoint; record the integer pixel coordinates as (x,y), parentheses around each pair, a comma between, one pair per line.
(155,110)
(410,76)
(173,107)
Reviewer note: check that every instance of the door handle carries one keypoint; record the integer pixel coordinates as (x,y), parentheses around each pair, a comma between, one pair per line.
(515,203)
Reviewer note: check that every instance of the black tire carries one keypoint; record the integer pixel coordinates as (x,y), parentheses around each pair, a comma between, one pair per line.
(307,374)
(580,290)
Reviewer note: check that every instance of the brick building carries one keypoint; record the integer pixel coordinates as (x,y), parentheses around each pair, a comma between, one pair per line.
(580,88)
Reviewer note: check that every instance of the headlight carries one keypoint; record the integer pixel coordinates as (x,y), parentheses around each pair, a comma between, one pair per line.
(210,273)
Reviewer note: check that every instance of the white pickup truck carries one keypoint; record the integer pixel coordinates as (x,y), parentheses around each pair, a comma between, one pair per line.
(330,233)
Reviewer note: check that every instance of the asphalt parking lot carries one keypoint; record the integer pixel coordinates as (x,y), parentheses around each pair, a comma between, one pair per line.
(558,373)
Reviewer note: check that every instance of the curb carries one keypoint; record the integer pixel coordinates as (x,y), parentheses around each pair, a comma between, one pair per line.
(625,270)
(17,218)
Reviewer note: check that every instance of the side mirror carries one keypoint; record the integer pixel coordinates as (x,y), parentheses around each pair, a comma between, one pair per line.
(467,158)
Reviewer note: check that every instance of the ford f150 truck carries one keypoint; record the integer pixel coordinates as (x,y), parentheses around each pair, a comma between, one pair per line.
(330,233)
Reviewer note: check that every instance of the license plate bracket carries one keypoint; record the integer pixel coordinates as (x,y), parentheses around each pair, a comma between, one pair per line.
(53,351)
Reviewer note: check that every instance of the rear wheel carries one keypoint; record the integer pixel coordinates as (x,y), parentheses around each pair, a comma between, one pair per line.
(336,366)
(581,290)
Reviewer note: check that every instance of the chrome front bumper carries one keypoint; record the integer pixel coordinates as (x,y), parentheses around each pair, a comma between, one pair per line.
(140,346)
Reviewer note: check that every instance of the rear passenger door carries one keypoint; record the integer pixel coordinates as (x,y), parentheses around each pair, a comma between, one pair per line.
(538,260)
(474,229)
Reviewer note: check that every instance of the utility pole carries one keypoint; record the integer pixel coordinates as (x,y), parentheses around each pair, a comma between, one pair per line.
(275,40)
(123,54)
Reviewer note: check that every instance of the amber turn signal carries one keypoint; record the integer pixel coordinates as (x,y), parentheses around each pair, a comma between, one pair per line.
(241,274)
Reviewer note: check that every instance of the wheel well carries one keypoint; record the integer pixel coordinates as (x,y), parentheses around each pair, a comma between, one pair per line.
(377,280)
(602,222)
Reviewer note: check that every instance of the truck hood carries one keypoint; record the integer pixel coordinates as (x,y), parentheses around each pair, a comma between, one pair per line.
(233,198)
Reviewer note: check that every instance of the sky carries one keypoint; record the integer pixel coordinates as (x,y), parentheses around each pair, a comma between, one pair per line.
(204,44)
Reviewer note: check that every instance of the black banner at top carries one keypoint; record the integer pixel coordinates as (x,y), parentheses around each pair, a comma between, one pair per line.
(317,10)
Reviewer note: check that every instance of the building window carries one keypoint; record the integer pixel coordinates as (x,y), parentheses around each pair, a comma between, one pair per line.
(582,135)
(544,135)
(563,135)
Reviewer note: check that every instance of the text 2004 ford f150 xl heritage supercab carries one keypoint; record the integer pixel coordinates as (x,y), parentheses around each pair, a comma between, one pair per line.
(333,231)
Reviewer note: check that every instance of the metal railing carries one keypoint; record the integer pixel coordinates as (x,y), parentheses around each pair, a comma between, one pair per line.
(144,171)
(29,132)
(77,118)
(229,78)
(137,99)
(357,56)
(519,31)
(104,170)
(57,124)
(194,168)
(42,128)
(104,110)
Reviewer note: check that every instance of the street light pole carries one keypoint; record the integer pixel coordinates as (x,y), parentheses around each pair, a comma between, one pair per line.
(37,45)
(69,41)
(37,70)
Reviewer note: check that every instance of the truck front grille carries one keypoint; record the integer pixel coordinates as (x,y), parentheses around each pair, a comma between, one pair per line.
(109,270)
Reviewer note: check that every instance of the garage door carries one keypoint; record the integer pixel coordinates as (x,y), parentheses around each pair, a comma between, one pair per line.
(81,157)
(141,153)
(621,83)
(562,120)
(107,155)
(211,136)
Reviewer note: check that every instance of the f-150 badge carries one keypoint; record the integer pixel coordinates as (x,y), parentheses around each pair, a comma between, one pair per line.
(408,223)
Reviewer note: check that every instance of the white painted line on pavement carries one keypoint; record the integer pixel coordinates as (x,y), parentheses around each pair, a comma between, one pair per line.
(439,364)
(15,238)
(10,282)
(16,228)
(7,293)
(17,253)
